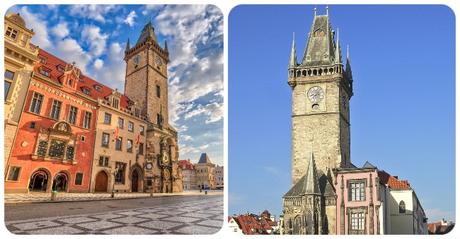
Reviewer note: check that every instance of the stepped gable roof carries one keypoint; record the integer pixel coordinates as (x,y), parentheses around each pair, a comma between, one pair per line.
(96,89)
(204,159)
(186,164)
(393,182)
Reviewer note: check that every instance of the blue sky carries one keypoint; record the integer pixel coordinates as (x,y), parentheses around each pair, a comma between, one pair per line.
(94,36)
(402,113)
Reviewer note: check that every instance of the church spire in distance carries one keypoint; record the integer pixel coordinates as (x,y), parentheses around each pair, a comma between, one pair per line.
(293,59)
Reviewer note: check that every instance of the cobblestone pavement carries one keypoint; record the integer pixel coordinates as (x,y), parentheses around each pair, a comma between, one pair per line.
(46,197)
(197,216)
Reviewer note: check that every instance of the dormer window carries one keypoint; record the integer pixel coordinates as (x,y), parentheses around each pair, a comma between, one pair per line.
(98,88)
(85,91)
(44,71)
(42,60)
(115,103)
(60,68)
(10,32)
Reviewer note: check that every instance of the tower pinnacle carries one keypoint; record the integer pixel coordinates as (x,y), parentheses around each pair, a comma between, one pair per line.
(293,59)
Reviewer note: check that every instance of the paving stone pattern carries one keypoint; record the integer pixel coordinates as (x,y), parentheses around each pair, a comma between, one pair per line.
(204,216)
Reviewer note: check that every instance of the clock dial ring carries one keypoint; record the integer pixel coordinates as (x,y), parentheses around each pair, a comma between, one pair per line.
(315,94)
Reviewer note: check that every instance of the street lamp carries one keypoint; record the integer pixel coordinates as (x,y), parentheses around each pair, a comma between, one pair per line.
(117,168)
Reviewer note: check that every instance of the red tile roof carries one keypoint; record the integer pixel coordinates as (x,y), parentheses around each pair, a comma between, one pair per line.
(53,63)
(392,181)
(186,164)
(250,224)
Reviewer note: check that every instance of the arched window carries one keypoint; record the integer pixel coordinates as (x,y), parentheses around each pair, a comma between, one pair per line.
(402,207)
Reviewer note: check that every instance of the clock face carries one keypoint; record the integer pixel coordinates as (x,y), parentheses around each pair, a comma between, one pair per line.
(315,94)
(148,166)
(158,61)
(136,59)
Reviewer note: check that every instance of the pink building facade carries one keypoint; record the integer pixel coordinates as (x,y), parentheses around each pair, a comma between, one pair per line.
(358,200)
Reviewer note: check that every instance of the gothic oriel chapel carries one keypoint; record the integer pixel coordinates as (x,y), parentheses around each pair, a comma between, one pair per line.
(321,89)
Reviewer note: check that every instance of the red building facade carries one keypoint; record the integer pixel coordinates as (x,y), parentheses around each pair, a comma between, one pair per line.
(54,145)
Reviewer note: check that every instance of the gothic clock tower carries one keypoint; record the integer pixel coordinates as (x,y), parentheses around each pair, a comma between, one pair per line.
(147,76)
(321,91)
(146,85)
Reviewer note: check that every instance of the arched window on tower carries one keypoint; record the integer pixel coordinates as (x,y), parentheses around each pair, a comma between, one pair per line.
(402,207)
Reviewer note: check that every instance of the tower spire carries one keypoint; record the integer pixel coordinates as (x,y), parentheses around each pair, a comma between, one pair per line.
(338,56)
(293,59)
(312,177)
(327,10)
(127,46)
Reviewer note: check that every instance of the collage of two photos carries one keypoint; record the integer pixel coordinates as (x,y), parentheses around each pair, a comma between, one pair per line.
(341,120)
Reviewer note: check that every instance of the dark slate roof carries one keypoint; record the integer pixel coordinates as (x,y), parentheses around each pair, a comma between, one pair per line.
(204,158)
(308,184)
(325,185)
(148,33)
(320,43)
(368,165)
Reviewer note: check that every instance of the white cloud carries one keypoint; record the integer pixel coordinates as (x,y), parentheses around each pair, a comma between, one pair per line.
(130,18)
(93,36)
(61,30)
(98,64)
(194,72)
(186,137)
(71,51)
(151,8)
(94,12)
(213,111)
(35,22)
(112,72)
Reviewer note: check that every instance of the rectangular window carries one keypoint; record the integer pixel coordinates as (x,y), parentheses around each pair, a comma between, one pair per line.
(120,173)
(13,174)
(129,146)
(42,148)
(141,148)
(10,32)
(107,118)
(115,103)
(70,152)
(130,126)
(121,123)
(9,75)
(57,148)
(7,88)
(158,91)
(357,221)
(105,140)
(103,161)
(87,120)
(36,104)
(356,191)
(44,71)
(79,179)
(118,143)
(141,129)
(73,115)
(56,109)
(158,119)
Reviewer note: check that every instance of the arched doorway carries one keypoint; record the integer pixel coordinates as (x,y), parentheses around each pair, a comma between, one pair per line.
(101,182)
(135,181)
(38,181)
(60,182)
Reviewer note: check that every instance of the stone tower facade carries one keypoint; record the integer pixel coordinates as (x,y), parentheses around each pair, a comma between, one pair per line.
(146,84)
(321,90)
